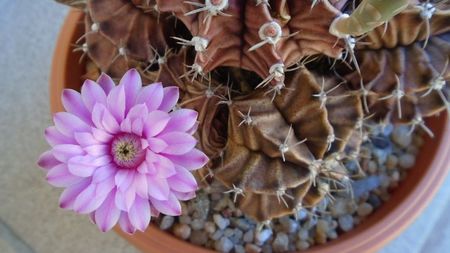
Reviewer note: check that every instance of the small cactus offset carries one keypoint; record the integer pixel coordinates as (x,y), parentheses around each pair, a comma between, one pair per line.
(282,87)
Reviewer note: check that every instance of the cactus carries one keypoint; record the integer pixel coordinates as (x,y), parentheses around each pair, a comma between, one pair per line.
(282,87)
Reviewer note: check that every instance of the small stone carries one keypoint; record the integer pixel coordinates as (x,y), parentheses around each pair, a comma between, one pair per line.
(372,167)
(248,236)
(216,236)
(381,156)
(198,237)
(236,236)
(303,234)
(339,207)
(281,243)
(320,238)
(166,222)
(321,231)
(182,231)
(267,248)
(223,245)
(401,136)
(302,245)
(391,162)
(395,176)
(263,236)
(289,225)
(364,209)
(332,234)
(407,161)
(302,214)
(239,249)
(210,227)
(322,226)
(221,222)
(197,224)
(200,206)
(242,224)
(346,222)
(374,200)
(365,185)
(184,219)
(252,248)
(228,232)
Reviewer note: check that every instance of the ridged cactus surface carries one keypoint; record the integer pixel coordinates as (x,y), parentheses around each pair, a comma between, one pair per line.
(282,88)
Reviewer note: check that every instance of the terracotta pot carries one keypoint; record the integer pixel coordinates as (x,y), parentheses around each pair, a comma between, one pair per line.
(387,222)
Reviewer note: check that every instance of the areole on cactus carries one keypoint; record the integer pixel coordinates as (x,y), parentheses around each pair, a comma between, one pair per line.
(281,87)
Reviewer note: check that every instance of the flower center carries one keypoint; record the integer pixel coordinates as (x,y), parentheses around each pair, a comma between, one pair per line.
(126,150)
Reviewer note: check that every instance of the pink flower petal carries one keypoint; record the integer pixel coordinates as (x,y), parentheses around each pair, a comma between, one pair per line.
(158,188)
(132,83)
(87,201)
(73,103)
(103,173)
(169,207)
(105,187)
(139,214)
(103,119)
(107,215)
(125,126)
(184,196)
(69,195)
(152,95)
(179,143)
(68,124)
(192,160)
(64,152)
(130,196)
(156,145)
(101,136)
(193,129)
(137,127)
(59,176)
(85,139)
(143,168)
(125,223)
(140,184)
(124,179)
(82,166)
(97,150)
(47,160)
(181,120)
(106,83)
(116,103)
(119,200)
(182,181)
(171,95)
(54,137)
(92,93)
(155,122)
(164,167)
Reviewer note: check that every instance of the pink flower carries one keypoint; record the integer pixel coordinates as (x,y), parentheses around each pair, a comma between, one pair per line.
(122,152)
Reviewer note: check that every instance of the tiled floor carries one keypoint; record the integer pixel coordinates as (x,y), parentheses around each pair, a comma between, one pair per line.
(30,220)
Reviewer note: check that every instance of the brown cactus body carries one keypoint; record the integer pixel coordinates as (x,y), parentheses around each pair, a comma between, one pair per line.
(277,129)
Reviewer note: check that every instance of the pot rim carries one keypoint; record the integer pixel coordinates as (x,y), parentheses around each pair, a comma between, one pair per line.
(387,222)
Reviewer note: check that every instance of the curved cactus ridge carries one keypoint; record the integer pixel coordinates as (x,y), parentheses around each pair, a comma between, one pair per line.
(283,88)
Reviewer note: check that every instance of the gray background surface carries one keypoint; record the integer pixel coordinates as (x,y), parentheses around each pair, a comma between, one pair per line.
(30,220)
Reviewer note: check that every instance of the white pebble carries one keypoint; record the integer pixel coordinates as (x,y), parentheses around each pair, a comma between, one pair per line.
(182,231)
(406,161)
(263,236)
(166,222)
(223,245)
(364,209)
(221,222)
(346,222)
